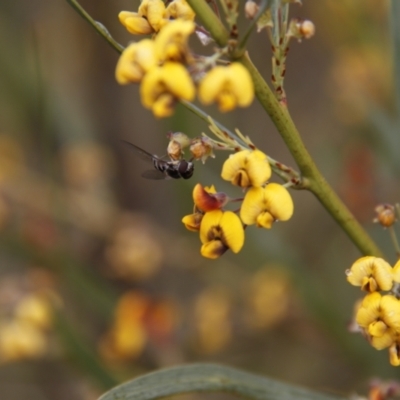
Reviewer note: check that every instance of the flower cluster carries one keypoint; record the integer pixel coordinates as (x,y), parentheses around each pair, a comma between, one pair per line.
(263,204)
(166,68)
(378,315)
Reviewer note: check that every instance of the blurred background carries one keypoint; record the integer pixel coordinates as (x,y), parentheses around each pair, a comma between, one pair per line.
(100,281)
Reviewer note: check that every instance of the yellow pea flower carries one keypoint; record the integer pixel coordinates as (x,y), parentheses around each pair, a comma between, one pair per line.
(135,23)
(247,168)
(154,11)
(371,273)
(171,42)
(379,316)
(162,86)
(220,231)
(150,18)
(205,199)
(180,9)
(230,86)
(135,61)
(263,206)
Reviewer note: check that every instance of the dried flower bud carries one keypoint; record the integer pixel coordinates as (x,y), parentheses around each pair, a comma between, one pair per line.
(251,9)
(177,142)
(386,215)
(301,29)
(202,148)
(307,29)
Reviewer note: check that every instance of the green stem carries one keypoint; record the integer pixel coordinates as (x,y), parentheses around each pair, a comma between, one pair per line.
(316,182)
(100,28)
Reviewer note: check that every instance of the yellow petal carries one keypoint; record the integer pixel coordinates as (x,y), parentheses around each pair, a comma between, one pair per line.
(247,168)
(210,220)
(171,42)
(213,249)
(369,310)
(390,308)
(242,85)
(192,221)
(265,220)
(252,206)
(258,168)
(162,85)
(377,328)
(135,61)
(384,341)
(135,23)
(180,9)
(211,85)
(396,272)
(233,232)
(229,86)
(154,11)
(278,201)
(394,354)
(374,267)
(164,106)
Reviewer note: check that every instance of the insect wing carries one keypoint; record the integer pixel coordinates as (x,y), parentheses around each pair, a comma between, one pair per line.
(154,174)
(143,154)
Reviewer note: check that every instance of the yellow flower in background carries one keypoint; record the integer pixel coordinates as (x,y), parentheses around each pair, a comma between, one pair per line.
(380,317)
(20,340)
(163,86)
(371,273)
(211,315)
(220,231)
(135,23)
(137,59)
(229,86)
(247,168)
(263,206)
(171,42)
(180,9)
(127,336)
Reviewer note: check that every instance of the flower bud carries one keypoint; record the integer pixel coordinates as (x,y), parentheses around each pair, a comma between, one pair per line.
(385,215)
(201,148)
(177,142)
(251,9)
(301,29)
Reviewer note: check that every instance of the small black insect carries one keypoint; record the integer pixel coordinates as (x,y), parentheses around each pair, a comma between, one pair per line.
(163,169)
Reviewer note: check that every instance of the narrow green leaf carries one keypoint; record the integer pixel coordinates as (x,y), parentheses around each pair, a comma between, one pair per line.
(209,378)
